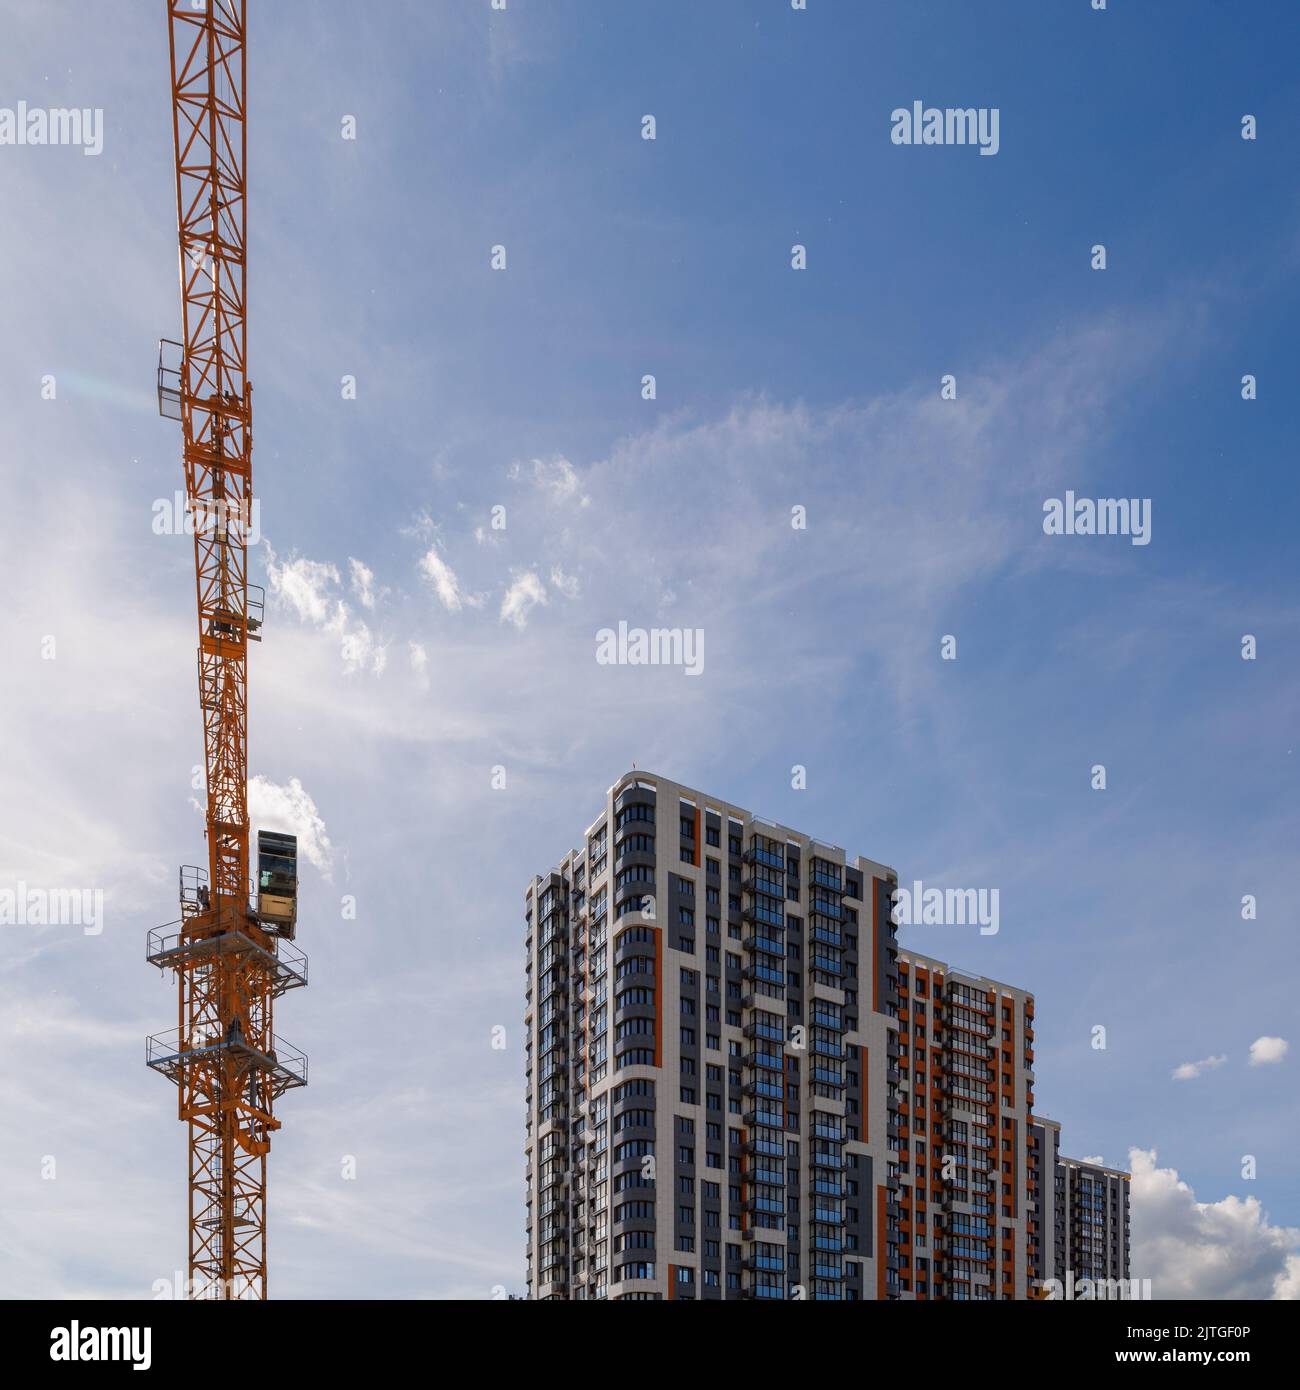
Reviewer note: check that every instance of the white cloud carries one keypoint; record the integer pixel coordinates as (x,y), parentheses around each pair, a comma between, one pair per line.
(291,810)
(363,582)
(1189,1071)
(359,648)
(419,664)
(1096,1159)
(304,585)
(1288,1283)
(360,746)
(1191,1249)
(567,584)
(1264,1051)
(557,478)
(441,575)
(521,598)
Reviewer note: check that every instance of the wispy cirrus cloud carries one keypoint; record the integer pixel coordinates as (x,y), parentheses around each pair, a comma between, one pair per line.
(308,588)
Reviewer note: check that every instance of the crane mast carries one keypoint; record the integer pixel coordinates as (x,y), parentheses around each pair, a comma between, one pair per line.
(231,951)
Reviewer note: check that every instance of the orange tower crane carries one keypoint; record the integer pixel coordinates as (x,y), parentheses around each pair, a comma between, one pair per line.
(231,951)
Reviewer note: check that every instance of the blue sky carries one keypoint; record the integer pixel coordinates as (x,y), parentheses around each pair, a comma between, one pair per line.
(385,694)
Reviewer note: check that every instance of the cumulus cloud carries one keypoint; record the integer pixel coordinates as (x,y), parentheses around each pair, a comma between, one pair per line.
(1191,1249)
(1189,1071)
(1264,1051)
(1288,1284)
(523,595)
(291,810)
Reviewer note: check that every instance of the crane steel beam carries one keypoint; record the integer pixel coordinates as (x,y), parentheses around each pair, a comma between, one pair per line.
(224,1058)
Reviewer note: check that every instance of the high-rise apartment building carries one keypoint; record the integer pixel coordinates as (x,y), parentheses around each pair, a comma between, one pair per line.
(967,1225)
(738,1086)
(1085,1212)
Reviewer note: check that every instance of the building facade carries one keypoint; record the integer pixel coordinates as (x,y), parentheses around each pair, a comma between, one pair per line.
(968,1228)
(738,1086)
(1086,1210)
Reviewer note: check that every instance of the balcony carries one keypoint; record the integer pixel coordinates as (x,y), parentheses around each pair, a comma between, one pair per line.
(556,931)
(759,1057)
(772,1119)
(769,887)
(774,1290)
(768,1147)
(773,1032)
(767,973)
(832,994)
(770,945)
(770,1090)
(764,917)
(556,1066)
(752,999)
(820,1185)
(826,1076)
(766,1262)
(770,1206)
(768,1176)
(821,1158)
(772,860)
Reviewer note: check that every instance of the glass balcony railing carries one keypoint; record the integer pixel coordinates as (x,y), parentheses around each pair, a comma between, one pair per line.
(773,860)
(826,1076)
(772,1090)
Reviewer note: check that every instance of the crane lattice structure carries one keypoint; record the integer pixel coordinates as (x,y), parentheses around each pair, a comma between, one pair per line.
(231,949)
